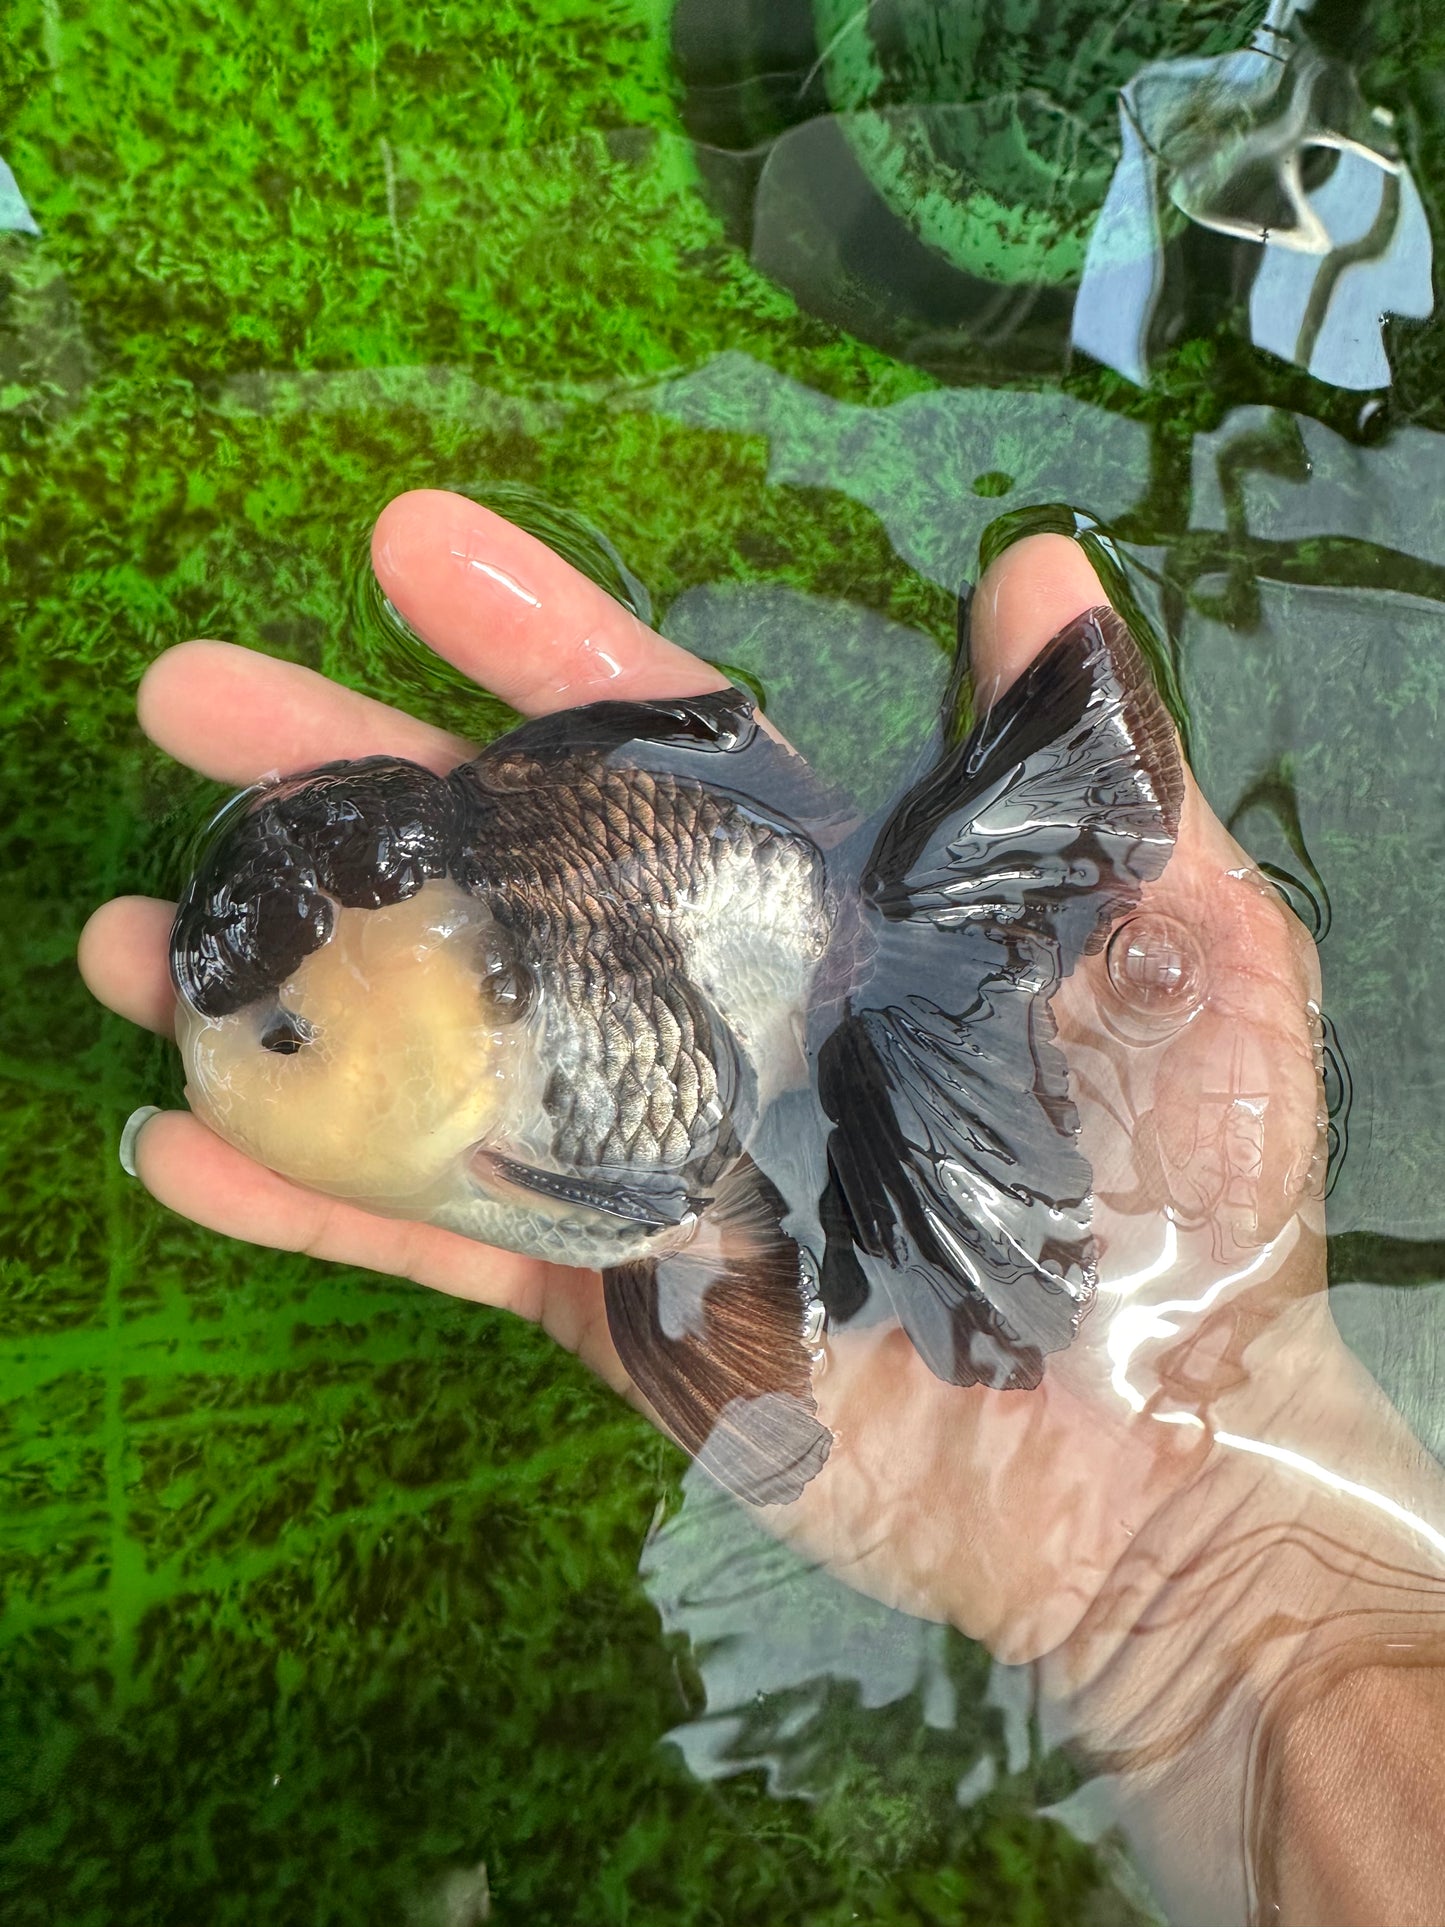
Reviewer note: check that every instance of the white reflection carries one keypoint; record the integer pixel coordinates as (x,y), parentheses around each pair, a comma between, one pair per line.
(1230,143)
(1349,290)
(1133,1326)
(501,578)
(1336,1482)
(15,216)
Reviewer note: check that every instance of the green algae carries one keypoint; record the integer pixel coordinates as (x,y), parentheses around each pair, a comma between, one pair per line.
(319,1593)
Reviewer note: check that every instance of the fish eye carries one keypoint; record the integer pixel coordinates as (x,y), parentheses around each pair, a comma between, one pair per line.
(507,982)
(285,1033)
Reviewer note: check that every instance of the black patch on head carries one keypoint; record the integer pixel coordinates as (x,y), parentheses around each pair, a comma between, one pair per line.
(359,834)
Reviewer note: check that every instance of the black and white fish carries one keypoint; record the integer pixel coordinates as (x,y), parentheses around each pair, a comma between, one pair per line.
(632,990)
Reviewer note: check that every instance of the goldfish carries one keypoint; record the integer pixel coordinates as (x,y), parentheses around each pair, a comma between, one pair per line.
(634,989)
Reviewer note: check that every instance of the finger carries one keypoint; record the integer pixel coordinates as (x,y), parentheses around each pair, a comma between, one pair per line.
(512,615)
(191,1171)
(1026,598)
(1033,591)
(500,604)
(237,715)
(123,958)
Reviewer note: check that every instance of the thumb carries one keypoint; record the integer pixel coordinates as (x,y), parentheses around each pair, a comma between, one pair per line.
(1034,590)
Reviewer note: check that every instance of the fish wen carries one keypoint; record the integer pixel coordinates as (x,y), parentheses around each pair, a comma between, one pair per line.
(633,989)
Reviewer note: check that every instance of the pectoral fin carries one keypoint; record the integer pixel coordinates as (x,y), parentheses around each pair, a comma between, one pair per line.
(655,1206)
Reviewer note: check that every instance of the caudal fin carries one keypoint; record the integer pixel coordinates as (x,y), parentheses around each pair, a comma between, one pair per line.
(955,1141)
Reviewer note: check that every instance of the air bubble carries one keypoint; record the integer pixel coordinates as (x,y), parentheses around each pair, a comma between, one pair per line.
(1373,420)
(1155,967)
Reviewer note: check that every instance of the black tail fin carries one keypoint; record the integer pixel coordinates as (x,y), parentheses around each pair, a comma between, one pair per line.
(955,1146)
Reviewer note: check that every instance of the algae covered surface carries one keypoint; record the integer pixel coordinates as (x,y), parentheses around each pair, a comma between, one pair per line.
(321,1595)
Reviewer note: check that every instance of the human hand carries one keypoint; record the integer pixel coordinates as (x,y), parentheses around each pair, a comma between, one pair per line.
(1052,1524)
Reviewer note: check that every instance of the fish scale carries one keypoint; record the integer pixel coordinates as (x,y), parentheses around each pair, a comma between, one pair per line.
(616,847)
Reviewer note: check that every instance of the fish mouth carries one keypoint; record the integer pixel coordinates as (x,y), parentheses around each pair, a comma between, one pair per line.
(655,1203)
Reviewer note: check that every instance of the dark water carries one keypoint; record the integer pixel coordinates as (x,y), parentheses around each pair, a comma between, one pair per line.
(320,1597)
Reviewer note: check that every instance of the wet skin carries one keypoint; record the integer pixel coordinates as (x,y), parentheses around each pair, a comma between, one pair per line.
(1161,1527)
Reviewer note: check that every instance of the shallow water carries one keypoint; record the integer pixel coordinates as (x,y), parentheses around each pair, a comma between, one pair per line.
(321,1596)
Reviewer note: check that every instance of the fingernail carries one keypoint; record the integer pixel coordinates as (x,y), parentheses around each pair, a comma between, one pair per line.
(134,1125)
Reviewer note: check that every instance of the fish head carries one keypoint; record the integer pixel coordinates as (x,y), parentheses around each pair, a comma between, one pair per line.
(378,1063)
(349,1013)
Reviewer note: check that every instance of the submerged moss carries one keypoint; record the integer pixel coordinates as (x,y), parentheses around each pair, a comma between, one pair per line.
(321,1593)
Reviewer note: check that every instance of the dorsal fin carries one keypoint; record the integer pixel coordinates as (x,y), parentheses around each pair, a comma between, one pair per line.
(722,721)
(716,739)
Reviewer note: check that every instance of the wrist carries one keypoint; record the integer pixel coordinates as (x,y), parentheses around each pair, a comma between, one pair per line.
(1351,1794)
(1235,1669)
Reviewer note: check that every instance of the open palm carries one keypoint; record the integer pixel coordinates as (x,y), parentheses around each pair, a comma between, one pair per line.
(521,621)
(1192,1047)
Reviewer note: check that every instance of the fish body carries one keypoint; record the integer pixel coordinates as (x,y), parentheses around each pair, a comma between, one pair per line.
(632,990)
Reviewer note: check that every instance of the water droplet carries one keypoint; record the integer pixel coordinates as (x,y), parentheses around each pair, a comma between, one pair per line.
(1372,423)
(1155,966)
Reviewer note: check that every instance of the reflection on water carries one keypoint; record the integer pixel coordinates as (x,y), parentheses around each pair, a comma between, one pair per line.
(935,468)
(926,176)
(716,1577)
(1275,480)
(1274,147)
(1343,686)
(887,679)
(14,214)
(929,177)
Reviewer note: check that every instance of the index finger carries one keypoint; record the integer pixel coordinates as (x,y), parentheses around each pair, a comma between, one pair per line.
(512,615)
(503,607)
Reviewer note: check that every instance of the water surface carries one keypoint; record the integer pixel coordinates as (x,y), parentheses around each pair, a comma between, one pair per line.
(321,1596)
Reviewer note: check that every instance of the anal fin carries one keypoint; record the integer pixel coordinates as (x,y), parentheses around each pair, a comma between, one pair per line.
(715,1337)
